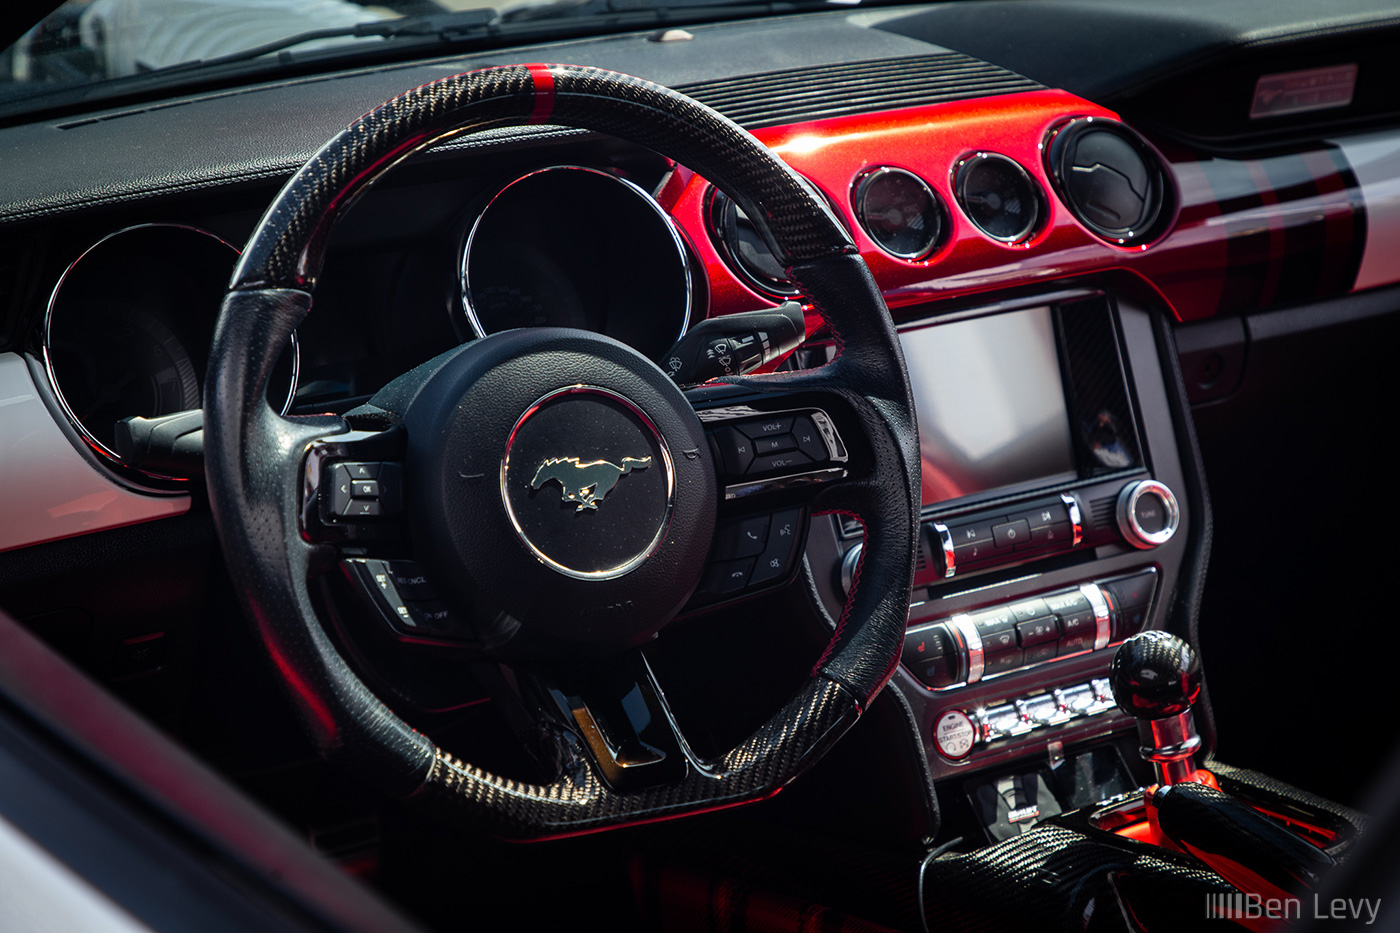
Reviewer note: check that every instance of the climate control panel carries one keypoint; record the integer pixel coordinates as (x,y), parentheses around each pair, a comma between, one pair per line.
(970,647)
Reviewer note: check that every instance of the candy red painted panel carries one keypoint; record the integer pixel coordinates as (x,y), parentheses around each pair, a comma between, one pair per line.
(1249,233)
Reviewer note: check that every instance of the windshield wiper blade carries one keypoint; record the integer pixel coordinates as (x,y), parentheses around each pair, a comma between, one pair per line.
(447,27)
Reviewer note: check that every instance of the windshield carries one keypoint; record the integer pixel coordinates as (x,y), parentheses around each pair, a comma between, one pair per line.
(88,50)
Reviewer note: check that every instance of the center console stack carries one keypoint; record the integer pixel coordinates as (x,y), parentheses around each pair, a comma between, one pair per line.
(1054,527)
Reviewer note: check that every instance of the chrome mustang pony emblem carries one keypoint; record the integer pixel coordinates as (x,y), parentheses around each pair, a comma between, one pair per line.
(585,483)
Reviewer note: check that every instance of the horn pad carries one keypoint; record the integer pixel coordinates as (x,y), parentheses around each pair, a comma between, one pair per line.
(559,480)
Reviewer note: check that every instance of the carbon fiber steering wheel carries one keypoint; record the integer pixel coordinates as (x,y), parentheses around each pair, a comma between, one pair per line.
(480,431)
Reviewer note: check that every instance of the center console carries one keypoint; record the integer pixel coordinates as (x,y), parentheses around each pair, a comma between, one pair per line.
(1055,524)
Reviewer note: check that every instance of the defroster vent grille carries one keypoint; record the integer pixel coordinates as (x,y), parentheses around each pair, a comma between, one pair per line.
(825,91)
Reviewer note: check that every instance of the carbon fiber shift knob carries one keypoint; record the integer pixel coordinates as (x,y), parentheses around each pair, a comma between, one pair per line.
(1155,678)
(1155,675)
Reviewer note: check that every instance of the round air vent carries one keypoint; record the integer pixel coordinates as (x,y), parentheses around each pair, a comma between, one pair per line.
(997,195)
(1110,180)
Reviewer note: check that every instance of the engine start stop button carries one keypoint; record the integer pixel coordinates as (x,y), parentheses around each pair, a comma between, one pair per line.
(954,734)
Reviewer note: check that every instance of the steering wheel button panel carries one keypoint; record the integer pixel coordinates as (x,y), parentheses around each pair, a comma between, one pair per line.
(410,580)
(778,463)
(778,557)
(741,539)
(767,427)
(355,498)
(726,577)
(808,440)
(735,449)
(772,445)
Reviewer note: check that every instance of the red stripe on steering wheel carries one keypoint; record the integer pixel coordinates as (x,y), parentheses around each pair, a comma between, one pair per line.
(544,93)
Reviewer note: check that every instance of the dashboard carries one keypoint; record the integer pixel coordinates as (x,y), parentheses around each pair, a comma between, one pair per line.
(1071,269)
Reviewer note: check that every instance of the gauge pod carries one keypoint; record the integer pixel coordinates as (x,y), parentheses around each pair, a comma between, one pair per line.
(1110,179)
(899,211)
(998,196)
(571,246)
(743,248)
(127,332)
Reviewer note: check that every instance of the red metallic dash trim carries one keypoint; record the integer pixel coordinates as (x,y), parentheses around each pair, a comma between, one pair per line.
(544,93)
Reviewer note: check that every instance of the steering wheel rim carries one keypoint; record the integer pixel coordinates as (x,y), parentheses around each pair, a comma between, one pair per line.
(256,460)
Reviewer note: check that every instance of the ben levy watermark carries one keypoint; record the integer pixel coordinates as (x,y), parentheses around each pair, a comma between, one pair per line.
(1253,907)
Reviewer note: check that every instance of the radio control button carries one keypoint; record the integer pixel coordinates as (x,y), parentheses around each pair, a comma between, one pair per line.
(767,427)
(1148,514)
(1011,534)
(1057,535)
(808,440)
(1044,516)
(973,542)
(788,460)
(772,445)
(736,450)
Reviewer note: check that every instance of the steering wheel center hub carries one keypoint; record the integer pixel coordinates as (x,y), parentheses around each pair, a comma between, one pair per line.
(588,482)
(561,485)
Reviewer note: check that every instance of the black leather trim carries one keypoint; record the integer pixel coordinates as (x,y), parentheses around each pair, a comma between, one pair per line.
(863,657)
(1185,611)
(253,467)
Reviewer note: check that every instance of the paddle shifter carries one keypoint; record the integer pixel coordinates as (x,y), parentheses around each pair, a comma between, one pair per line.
(1155,678)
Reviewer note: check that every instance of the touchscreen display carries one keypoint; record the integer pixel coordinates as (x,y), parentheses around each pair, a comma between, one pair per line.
(990,402)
